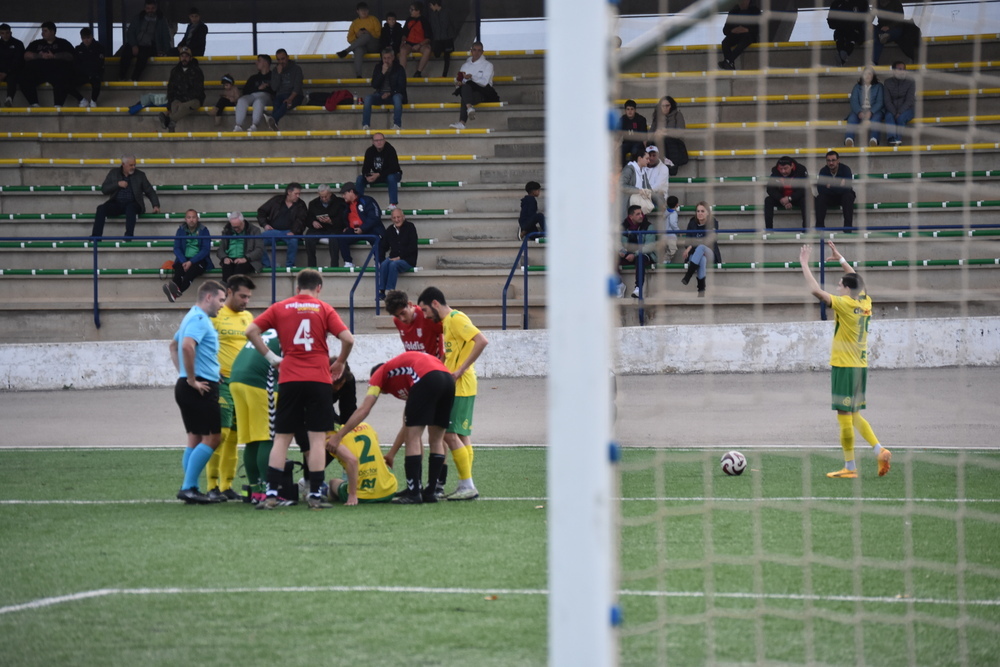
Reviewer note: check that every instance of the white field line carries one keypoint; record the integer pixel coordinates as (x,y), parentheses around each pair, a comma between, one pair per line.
(535,499)
(423,590)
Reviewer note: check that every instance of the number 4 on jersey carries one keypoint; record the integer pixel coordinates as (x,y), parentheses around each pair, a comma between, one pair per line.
(303,336)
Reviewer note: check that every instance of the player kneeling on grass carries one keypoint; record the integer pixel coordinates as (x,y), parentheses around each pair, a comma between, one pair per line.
(852,309)
(359,453)
(429,391)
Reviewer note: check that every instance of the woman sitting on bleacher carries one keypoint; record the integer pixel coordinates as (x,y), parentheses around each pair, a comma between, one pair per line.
(867,104)
(702,249)
(666,116)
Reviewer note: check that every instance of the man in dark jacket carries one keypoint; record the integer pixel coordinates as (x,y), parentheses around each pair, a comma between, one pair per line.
(286,81)
(195,35)
(392,33)
(240,249)
(741,30)
(400,241)
(283,216)
(326,216)
(900,102)
(126,186)
(834,189)
(185,90)
(363,217)
(48,60)
(849,20)
(11,62)
(389,82)
(148,35)
(88,61)
(787,188)
(381,166)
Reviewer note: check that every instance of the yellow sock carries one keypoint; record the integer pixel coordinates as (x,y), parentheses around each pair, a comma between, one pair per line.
(847,438)
(463,461)
(228,459)
(212,470)
(472,455)
(865,429)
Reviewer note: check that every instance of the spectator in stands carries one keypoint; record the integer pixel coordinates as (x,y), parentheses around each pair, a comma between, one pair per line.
(228,98)
(185,90)
(417,36)
(257,93)
(666,117)
(900,94)
(658,174)
(326,215)
(834,189)
(671,227)
(362,37)
(286,81)
(240,248)
(194,36)
(381,165)
(630,124)
(787,188)
(741,30)
(531,219)
(192,255)
(849,21)
(637,249)
(633,183)
(11,62)
(867,105)
(400,241)
(363,217)
(283,217)
(48,60)
(443,43)
(392,34)
(892,26)
(389,83)
(126,186)
(474,85)
(88,63)
(148,35)
(705,248)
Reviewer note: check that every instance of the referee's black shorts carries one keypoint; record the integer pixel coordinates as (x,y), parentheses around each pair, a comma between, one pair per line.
(430,400)
(304,405)
(200,412)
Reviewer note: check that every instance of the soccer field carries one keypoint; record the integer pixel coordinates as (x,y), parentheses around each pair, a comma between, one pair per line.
(101,569)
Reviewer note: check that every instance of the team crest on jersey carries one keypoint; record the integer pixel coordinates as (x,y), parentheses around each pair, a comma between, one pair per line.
(420,332)
(847,401)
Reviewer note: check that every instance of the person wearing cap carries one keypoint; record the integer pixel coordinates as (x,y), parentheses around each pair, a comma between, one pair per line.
(787,188)
(48,60)
(11,62)
(240,248)
(185,90)
(88,62)
(195,35)
(363,217)
(631,124)
(230,94)
(148,35)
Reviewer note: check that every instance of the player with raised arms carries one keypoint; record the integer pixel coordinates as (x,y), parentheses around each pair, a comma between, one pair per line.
(852,309)
(305,377)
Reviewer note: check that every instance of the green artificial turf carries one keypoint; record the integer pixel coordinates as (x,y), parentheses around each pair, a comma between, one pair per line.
(778,566)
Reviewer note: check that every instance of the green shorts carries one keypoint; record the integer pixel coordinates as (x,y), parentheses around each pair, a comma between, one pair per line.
(226,410)
(342,494)
(847,386)
(461,415)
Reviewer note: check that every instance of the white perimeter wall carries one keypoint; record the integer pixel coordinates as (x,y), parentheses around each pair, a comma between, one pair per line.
(731,348)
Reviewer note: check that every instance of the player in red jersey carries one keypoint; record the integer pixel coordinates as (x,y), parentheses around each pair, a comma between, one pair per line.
(419,333)
(428,388)
(305,377)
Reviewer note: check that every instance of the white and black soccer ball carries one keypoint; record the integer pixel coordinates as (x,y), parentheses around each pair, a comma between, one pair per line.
(733,463)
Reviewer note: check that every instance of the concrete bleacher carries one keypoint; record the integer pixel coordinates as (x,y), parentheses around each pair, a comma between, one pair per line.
(468,222)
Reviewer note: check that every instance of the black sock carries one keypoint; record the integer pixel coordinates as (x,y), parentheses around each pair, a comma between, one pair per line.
(434,464)
(315,481)
(414,467)
(442,478)
(274,480)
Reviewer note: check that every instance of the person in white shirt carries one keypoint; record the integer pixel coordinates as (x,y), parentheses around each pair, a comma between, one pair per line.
(658,174)
(474,84)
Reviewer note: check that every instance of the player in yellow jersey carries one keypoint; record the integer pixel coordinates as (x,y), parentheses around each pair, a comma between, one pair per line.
(463,343)
(360,450)
(230,323)
(852,309)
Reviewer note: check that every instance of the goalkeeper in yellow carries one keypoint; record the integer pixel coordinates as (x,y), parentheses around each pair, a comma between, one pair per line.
(360,455)
(852,309)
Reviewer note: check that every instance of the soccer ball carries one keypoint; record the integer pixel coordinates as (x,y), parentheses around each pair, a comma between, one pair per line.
(733,463)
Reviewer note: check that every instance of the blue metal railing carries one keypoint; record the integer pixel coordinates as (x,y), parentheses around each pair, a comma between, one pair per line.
(522,252)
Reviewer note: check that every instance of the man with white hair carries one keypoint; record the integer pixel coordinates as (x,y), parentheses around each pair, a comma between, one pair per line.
(126,186)
(240,248)
(326,216)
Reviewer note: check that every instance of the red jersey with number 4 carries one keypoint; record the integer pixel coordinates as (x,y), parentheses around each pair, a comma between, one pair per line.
(421,334)
(302,323)
(398,375)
